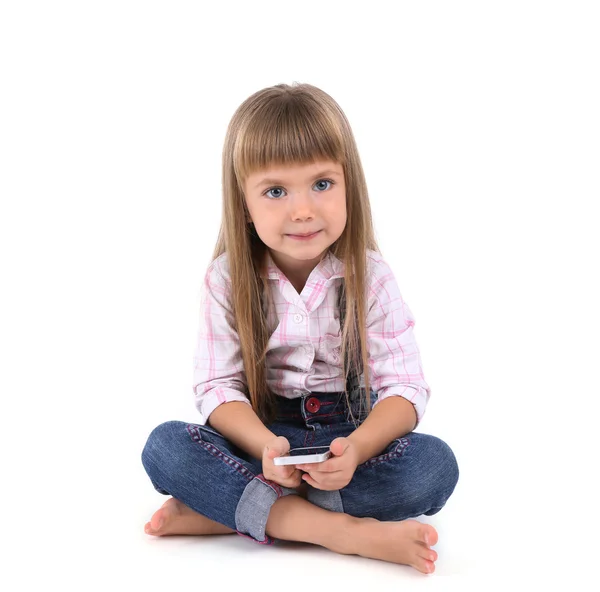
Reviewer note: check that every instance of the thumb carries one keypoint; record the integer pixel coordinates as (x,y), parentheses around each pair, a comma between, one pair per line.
(273,452)
(339,446)
(278,449)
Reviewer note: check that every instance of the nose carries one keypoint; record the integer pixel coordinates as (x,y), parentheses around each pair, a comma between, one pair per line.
(301,206)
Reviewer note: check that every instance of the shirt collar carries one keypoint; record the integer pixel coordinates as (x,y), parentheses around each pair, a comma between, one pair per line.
(329,268)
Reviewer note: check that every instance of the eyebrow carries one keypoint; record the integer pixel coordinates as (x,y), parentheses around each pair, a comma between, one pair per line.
(314,178)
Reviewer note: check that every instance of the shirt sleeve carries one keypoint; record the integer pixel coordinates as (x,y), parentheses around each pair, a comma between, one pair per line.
(219,375)
(394,358)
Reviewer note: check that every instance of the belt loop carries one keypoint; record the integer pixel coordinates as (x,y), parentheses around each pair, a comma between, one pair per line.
(303,406)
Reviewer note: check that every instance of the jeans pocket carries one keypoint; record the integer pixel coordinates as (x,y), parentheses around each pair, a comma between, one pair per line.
(200,433)
(395,449)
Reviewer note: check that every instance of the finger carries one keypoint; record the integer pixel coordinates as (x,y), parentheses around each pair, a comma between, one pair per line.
(316,483)
(287,471)
(279,447)
(291,473)
(276,451)
(324,467)
(314,475)
(283,470)
(305,468)
(335,463)
(332,466)
(319,475)
(308,467)
(339,446)
(332,462)
(294,479)
(306,477)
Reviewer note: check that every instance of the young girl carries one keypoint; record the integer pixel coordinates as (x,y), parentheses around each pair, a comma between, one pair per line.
(296,303)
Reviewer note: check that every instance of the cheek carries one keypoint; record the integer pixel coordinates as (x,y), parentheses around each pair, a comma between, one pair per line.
(266,228)
(337,212)
(335,206)
(264,220)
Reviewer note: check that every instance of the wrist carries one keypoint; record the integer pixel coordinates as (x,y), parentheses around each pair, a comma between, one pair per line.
(237,423)
(361,454)
(263,441)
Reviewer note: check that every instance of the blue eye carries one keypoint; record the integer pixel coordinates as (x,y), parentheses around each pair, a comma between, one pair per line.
(273,189)
(324,181)
(317,184)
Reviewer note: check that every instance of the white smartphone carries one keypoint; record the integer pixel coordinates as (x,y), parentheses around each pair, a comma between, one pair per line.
(300,456)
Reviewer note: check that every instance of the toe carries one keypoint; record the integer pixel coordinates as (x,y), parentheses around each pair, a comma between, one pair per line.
(427,553)
(424,566)
(429,535)
(157,521)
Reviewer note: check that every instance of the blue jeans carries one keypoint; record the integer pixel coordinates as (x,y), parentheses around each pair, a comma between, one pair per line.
(195,464)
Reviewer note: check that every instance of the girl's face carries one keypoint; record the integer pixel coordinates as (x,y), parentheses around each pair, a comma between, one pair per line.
(287,201)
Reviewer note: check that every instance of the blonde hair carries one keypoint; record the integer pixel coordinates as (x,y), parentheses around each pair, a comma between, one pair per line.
(282,125)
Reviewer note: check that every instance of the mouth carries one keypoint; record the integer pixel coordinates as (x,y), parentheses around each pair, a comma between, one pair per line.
(304,236)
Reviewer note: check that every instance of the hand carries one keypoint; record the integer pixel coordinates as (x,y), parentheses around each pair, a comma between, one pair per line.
(286,475)
(337,471)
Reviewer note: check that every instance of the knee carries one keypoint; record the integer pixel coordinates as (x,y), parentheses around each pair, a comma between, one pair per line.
(440,470)
(158,450)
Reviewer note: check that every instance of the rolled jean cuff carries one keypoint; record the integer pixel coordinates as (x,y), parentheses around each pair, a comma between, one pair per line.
(253,509)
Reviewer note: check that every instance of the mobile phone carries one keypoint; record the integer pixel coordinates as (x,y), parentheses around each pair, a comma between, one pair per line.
(300,456)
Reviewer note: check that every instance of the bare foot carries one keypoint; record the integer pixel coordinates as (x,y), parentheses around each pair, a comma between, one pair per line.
(407,542)
(175,517)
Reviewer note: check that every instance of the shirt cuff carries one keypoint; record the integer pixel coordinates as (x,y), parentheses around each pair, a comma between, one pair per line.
(417,395)
(208,402)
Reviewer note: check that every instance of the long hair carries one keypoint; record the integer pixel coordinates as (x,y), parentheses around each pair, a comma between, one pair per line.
(282,125)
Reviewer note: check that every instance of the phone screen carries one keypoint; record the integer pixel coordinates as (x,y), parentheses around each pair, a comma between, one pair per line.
(304,451)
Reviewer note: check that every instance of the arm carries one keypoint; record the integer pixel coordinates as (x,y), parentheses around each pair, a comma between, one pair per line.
(394,365)
(393,418)
(239,423)
(219,378)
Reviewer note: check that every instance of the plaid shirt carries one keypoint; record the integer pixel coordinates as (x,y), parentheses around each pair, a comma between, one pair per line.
(304,348)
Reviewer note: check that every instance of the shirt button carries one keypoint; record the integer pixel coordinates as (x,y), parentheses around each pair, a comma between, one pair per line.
(298,318)
(313,405)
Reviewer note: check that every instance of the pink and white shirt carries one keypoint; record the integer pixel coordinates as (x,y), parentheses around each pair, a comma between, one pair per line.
(303,353)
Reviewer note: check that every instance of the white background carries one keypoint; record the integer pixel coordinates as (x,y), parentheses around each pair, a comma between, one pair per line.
(478,126)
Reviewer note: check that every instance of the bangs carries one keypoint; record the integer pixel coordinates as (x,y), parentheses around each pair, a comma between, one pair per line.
(287,130)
